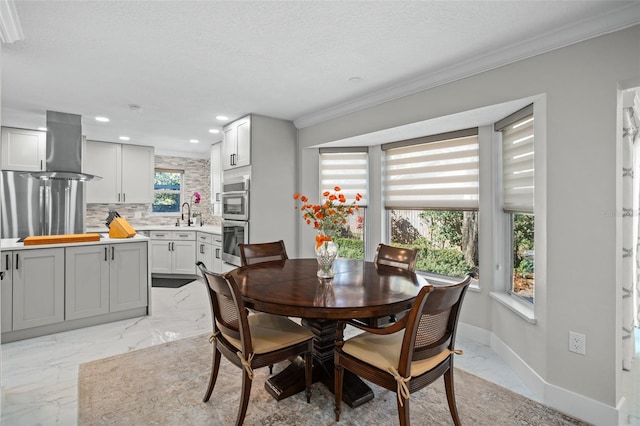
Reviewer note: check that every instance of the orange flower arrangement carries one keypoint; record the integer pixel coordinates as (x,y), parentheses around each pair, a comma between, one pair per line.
(332,213)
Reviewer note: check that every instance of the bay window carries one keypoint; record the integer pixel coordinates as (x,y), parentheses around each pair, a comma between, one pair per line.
(348,169)
(518,198)
(431,197)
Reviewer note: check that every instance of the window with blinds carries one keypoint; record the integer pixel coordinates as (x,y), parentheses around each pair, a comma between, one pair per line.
(434,172)
(348,169)
(517,161)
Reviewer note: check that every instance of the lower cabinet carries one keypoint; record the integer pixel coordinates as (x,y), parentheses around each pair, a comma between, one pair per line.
(37,287)
(105,278)
(6,294)
(128,276)
(173,252)
(210,251)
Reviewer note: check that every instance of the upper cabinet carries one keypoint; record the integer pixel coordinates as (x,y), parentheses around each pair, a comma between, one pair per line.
(23,150)
(216,178)
(236,144)
(126,171)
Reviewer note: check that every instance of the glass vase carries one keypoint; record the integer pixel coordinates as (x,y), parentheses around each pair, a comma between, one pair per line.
(326,254)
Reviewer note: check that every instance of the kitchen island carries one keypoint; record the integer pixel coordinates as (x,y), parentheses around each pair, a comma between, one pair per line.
(51,288)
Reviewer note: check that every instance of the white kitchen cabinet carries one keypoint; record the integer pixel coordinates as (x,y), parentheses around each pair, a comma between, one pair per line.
(236,144)
(126,170)
(210,251)
(6,295)
(87,282)
(23,150)
(38,287)
(128,276)
(216,178)
(173,252)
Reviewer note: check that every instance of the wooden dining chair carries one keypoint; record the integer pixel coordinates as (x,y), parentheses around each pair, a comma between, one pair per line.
(409,354)
(400,257)
(393,256)
(262,252)
(250,341)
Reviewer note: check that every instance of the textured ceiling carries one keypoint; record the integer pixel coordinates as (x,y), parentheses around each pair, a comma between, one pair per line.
(184,62)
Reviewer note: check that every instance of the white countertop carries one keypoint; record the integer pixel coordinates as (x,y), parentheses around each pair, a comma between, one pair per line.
(13,244)
(211,229)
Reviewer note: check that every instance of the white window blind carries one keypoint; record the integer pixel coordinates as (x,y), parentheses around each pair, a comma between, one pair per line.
(435,172)
(517,161)
(347,169)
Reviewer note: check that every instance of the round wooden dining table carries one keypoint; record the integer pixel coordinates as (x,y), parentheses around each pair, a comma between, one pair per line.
(359,290)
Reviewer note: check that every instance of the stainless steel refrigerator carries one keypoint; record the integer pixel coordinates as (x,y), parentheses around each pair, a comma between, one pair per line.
(32,206)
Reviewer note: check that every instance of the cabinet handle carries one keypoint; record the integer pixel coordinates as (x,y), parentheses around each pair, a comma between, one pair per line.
(105,254)
(183,235)
(217,197)
(173,246)
(113,253)
(40,164)
(124,197)
(217,253)
(201,248)
(118,197)
(17,259)
(169,246)
(6,259)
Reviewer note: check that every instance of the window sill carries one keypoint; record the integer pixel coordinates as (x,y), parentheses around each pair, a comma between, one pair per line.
(444,280)
(519,308)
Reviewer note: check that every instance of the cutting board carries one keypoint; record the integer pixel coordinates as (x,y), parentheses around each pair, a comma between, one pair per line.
(60,239)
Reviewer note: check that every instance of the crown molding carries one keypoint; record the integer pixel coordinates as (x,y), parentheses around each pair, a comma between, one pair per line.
(623,17)
(10,28)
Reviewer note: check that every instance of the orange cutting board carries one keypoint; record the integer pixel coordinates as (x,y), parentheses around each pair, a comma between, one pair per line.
(60,239)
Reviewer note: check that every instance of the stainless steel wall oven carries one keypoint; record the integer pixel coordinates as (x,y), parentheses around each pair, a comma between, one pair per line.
(235,217)
(235,199)
(234,232)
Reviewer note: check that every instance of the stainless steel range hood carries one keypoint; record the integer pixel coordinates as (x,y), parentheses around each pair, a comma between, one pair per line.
(64,149)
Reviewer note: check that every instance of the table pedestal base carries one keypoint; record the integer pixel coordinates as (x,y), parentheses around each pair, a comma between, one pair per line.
(291,380)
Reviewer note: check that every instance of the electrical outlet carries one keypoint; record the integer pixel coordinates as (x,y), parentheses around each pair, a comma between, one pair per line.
(577,343)
(137,215)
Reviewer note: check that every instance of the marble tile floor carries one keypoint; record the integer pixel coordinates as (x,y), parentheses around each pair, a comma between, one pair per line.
(39,375)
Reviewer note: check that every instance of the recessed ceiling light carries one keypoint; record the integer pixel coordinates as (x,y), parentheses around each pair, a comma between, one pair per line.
(222,117)
(194,141)
(102,119)
(42,129)
(124,138)
(214,131)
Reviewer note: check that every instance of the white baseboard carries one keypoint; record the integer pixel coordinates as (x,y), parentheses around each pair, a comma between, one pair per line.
(477,334)
(563,400)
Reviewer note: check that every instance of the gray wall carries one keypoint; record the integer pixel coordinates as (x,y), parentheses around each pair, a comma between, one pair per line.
(576,92)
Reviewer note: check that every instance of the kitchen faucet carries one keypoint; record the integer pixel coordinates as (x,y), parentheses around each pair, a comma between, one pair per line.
(188,213)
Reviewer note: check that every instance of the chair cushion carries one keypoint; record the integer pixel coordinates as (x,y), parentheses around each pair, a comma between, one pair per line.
(272,332)
(383,351)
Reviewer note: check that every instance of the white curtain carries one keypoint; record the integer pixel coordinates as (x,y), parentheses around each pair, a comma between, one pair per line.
(631,237)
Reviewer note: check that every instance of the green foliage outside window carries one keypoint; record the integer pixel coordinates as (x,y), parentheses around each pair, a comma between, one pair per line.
(167,191)
(523,255)
(447,240)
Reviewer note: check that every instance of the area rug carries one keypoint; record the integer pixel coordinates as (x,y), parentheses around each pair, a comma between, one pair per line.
(164,385)
(170,282)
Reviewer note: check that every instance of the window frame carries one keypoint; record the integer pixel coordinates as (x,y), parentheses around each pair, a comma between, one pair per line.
(508,212)
(457,205)
(180,192)
(349,189)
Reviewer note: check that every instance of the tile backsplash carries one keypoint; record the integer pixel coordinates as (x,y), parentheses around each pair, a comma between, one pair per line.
(197,178)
